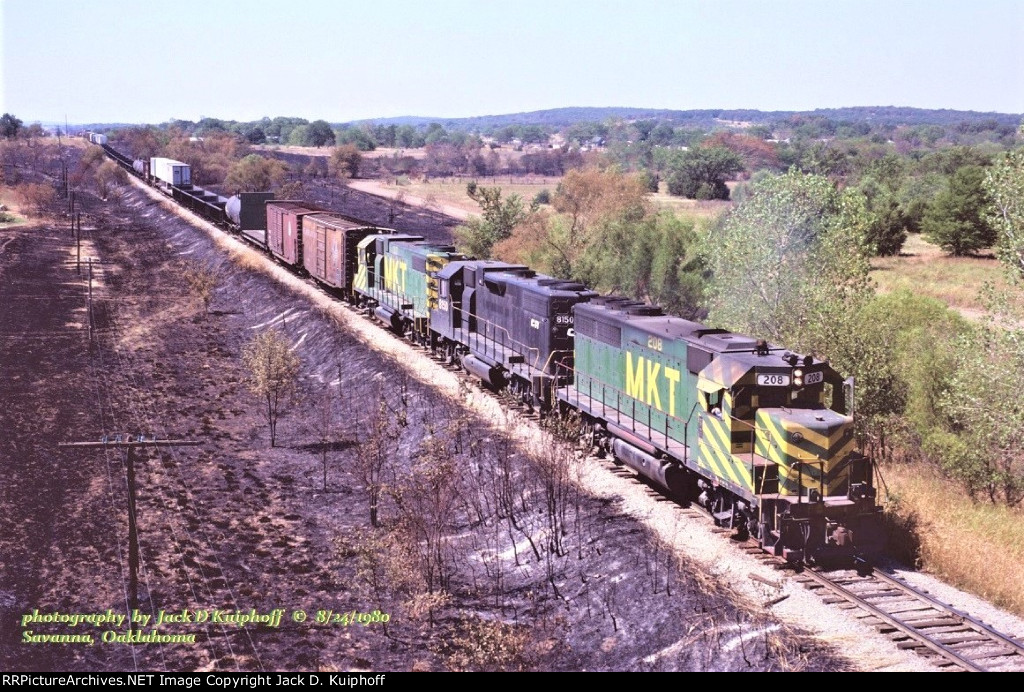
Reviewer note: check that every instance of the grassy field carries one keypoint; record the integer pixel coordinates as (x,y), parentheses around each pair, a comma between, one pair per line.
(975,546)
(701,209)
(926,270)
(452,191)
(381,152)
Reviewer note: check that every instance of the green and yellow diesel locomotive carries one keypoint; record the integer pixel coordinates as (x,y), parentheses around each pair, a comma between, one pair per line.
(760,436)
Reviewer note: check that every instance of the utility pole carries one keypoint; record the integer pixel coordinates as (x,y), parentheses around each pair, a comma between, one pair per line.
(90,300)
(129,443)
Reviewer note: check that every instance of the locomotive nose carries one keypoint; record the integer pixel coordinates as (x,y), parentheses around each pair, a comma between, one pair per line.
(809,446)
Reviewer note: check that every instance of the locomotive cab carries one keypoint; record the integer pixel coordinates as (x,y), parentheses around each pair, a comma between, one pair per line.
(814,491)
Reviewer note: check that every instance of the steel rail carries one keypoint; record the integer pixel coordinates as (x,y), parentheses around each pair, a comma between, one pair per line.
(1001,638)
(909,630)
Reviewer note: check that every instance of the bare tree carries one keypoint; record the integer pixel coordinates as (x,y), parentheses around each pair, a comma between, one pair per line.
(202,280)
(273,373)
(325,421)
(39,197)
(375,453)
(431,203)
(109,176)
(427,500)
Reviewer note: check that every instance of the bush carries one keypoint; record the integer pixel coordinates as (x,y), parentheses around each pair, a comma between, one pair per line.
(957,220)
(38,197)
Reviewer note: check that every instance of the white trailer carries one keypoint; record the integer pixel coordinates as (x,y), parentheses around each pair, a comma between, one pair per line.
(170,171)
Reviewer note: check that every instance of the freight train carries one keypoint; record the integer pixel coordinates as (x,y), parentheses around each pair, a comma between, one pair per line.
(758,435)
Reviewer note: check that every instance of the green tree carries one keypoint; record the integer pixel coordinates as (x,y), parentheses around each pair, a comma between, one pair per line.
(916,194)
(362,137)
(407,137)
(700,173)
(273,374)
(478,235)
(298,136)
(319,133)
(1004,183)
(887,230)
(255,173)
(984,402)
(822,158)
(256,135)
(901,347)
(790,260)
(655,258)
(9,126)
(957,220)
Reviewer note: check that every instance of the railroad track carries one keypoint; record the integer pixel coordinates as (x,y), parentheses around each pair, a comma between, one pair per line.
(946,637)
(913,619)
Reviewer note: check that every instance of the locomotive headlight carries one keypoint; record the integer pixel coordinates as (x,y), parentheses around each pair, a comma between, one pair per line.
(798,381)
(798,373)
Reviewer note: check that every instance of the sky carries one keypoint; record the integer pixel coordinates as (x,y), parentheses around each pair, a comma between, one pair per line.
(340,60)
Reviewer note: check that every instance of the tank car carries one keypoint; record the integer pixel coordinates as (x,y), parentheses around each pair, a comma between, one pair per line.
(246,214)
(760,436)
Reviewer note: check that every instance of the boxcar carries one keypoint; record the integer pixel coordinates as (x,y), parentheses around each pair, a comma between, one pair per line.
(330,247)
(284,229)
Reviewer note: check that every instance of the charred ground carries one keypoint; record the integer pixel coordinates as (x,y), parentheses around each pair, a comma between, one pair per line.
(486,556)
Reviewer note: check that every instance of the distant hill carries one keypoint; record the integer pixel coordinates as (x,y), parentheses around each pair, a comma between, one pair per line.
(564,117)
(705,119)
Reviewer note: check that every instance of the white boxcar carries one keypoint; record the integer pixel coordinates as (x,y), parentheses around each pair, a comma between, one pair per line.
(97,138)
(170,171)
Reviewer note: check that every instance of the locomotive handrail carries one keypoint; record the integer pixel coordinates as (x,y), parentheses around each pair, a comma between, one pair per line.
(523,349)
(548,361)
